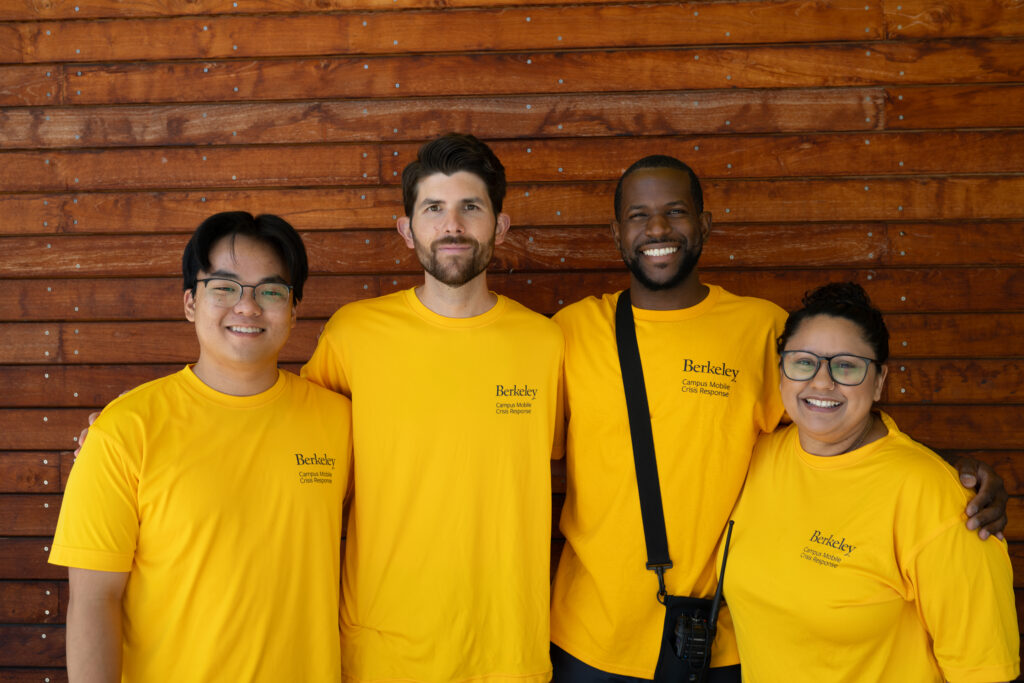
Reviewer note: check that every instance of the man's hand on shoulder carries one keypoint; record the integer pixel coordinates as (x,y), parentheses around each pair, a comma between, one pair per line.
(986,512)
(84,432)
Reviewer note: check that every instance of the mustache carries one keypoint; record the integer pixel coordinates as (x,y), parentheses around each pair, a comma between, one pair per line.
(454,240)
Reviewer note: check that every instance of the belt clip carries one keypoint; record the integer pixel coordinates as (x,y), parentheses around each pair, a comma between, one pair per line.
(660,569)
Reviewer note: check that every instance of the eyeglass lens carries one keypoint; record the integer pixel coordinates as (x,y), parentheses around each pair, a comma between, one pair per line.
(801,366)
(228,293)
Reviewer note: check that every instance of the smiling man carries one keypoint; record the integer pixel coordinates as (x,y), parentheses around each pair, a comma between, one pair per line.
(712,378)
(456,408)
(202,519)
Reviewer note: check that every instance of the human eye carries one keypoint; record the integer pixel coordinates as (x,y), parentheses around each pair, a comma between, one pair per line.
(223,286)
(802,361)
(844,363)
(274,293)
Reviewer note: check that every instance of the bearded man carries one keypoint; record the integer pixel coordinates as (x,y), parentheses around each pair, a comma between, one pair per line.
(456,409)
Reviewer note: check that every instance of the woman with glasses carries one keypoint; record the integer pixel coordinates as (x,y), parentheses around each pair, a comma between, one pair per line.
(850,559)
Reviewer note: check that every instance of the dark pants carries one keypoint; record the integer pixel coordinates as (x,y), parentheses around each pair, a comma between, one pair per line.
(568,669)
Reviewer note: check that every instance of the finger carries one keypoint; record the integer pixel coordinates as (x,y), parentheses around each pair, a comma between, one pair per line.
(983,499)
(990,519)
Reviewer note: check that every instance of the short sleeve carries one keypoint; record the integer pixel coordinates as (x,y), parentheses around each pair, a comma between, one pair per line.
(964,593)
(98,526)
(326,366)
(771,400)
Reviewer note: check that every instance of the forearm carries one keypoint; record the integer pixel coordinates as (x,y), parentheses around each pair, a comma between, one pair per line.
(94,640)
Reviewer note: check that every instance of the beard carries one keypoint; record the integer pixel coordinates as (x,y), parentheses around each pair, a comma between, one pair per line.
(686,266)
(457,271)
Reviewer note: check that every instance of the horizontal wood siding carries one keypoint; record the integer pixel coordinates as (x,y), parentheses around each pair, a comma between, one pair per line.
(880,142)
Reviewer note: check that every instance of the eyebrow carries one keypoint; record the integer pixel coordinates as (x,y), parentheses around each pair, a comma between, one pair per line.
(229,275)
(428,201)
(676,202)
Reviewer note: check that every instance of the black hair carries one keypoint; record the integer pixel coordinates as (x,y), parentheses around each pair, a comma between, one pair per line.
(271,230)
(661,161)
(449,154)
(841,300)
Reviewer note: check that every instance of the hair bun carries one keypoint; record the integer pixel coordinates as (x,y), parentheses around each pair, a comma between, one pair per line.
(837,295)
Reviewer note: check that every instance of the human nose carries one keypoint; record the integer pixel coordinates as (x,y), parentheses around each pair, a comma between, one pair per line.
(246,304)
(823,377)
(451,224)
(657,226)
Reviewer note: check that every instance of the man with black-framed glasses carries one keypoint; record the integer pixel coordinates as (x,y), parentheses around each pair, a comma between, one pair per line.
(201,523)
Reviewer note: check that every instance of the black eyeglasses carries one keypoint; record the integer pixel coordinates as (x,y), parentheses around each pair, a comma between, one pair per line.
(845,369)
(225,292)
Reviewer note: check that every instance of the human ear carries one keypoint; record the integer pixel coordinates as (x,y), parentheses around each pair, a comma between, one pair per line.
(705,225)
(404,227)
(190,306)
(501,226)
(880,382)
(615,234)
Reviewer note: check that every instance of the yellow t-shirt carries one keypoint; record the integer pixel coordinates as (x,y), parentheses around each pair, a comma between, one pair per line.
(226,512)
(712,386)
(859,567)
(447,559)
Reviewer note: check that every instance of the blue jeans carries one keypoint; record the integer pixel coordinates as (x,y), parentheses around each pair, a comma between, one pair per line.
(568,669)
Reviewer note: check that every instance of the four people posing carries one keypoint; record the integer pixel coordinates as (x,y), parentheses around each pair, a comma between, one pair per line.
(456,406)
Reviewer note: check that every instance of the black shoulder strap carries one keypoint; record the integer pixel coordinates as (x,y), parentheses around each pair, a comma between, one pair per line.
(643,440)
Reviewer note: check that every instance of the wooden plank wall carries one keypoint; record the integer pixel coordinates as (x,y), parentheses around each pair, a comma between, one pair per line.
(874,140)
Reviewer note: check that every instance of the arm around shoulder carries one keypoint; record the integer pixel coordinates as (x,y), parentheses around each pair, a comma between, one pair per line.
(94,637)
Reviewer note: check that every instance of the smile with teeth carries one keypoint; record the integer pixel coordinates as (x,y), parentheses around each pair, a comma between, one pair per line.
(245,330)
(660,251)
(821,403)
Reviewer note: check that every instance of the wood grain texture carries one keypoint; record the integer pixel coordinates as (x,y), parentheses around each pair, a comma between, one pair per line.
(150,212)
(188,168)
(973,381)
(27,472)
(31,85)
(30,602)
(572,116)
(471,75)
(32,645)
(963,427)
(466,30)
(28,515)
(34,675)
(960,243)
(744,21)
(537,73)
(1015,530)
(43,428)
(25,559)
(954,106)
(941,18)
